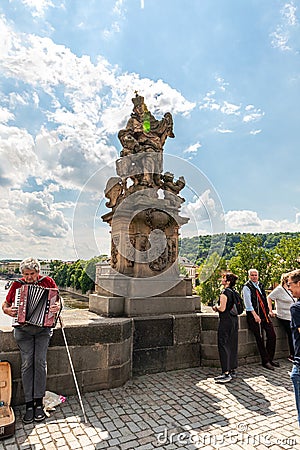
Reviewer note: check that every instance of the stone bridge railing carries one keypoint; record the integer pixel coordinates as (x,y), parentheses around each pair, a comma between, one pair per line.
(107,352)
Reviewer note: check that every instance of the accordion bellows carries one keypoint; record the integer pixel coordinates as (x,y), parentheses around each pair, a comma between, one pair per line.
(33,303)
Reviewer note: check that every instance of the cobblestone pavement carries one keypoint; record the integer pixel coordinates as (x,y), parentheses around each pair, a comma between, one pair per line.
(182,409)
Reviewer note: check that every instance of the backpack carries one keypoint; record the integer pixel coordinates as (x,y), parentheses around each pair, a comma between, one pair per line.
(238,304)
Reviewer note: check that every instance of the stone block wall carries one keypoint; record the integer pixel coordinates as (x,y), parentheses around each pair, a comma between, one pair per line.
(166,342)
(107,352)
(101,353)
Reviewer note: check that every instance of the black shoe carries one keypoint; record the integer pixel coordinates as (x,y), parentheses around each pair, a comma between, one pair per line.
(29,415)
(39,414)
(224,378)
(268,366)
(233,373)
(275,364)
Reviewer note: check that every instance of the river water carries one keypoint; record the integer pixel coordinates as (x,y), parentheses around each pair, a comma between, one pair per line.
(70,302)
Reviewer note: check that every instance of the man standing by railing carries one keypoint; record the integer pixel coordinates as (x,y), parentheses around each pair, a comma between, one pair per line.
(258,319)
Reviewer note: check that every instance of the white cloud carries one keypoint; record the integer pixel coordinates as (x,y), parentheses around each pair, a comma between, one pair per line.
(253,114)
(193,148)
(38,7)
(37,213)
(5,115)
(282,37)
(200,207)
(16,99)
(246,221)
(230,108)
(280,40)
(221,83)
(205,213)
(118,11)
(212,102)
(221,129)
(32,223)
(18,159)
(108,33)
(289,13)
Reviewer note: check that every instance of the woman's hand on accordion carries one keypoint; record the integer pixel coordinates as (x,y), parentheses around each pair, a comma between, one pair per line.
(55,308)
(10,310)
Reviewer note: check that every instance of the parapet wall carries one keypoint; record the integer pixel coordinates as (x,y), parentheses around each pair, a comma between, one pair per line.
(107,352)
(247,349)
(101,352)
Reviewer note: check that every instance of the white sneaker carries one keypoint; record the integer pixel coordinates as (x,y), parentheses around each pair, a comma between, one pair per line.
(224,378)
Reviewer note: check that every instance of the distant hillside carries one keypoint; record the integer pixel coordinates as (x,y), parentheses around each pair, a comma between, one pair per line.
(197,247)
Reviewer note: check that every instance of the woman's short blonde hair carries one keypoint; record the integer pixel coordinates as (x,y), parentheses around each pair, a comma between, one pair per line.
(31,264)
(284,278)
(294,275)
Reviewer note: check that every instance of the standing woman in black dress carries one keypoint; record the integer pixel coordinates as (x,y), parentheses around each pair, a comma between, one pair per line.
(227,330)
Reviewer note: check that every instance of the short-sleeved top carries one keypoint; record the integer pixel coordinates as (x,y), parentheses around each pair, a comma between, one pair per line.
(46,282)
(283,302)
(295,324)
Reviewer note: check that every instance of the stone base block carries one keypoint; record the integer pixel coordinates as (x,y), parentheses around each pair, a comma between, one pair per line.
(161,286)
(106,306)
(158,305)
(112,285)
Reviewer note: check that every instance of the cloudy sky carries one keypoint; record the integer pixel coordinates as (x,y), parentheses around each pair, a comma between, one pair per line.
(227,70)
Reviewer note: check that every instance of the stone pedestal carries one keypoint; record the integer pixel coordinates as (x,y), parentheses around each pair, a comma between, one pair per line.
(142,296)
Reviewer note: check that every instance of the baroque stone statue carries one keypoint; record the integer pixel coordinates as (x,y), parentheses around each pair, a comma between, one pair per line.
(144,225)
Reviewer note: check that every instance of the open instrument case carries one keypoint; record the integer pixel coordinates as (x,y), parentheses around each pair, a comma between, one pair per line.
(7,416)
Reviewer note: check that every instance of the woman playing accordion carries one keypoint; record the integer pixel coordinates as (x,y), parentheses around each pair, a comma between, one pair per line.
(33,334)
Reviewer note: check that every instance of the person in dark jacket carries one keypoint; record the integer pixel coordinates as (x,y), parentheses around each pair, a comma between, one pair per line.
(259,320)
(294,287)
(227,330)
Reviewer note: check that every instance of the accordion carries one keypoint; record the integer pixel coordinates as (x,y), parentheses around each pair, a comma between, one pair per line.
(33,306)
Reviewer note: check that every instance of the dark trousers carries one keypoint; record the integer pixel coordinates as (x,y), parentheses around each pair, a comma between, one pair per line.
(266,350)
(33,343)
(228,342)
(286,324)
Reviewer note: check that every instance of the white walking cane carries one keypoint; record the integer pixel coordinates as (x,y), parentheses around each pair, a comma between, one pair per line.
(73,371)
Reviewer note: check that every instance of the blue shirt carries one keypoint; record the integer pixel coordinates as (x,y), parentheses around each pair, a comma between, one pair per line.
(247,296)
(295,324)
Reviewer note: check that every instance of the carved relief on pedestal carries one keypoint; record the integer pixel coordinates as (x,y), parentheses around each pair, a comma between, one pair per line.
(157,219)
(172,250)
(130,251)
(114,251)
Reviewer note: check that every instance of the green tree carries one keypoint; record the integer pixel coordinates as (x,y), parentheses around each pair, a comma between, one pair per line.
(250,254)
(210,272)
(88,276)
(286,257)
(60,274)
(75,278)
(70,271)
(182,270)
(86,283)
